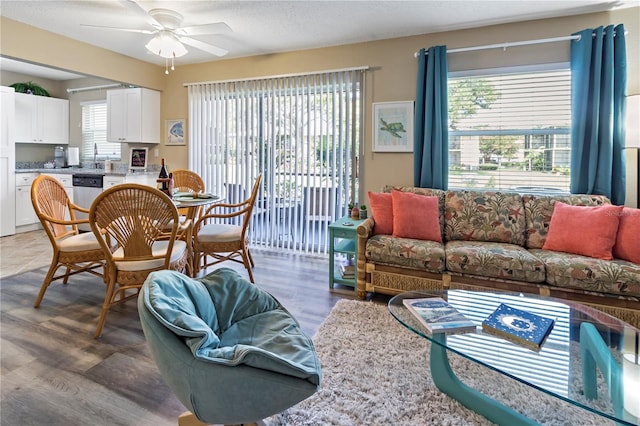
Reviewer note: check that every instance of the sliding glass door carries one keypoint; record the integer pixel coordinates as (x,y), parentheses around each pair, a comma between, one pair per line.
(301,132)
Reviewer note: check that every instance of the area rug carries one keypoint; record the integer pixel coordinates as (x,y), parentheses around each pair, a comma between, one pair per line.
(375,372)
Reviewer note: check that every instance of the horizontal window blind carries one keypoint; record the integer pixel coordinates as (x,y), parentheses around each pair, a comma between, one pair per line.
(510,131)
(94,134)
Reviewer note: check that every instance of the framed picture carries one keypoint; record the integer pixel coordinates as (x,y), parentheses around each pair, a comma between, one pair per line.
(393,126)
(138,158)
(174,130)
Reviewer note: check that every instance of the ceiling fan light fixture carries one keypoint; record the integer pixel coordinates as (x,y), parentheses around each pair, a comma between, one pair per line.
(166,45)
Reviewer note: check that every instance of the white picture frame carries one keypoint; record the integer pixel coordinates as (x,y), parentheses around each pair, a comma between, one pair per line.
(174,132)
(138,158)
(393,126)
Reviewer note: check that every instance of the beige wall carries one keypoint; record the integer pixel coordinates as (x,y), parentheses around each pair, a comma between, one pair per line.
(392,74)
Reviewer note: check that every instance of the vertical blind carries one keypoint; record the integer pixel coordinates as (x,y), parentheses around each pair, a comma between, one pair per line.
(510,130)
(301,132)
(94,133)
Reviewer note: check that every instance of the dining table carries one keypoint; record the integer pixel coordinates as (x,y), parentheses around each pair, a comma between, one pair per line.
(190,204)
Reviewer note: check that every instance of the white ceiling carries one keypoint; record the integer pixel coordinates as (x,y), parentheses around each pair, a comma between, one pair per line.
(266,27)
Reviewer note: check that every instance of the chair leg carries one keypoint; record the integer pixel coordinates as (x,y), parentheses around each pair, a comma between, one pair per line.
(111,285)
(189,419)
(47,281)
(248,264)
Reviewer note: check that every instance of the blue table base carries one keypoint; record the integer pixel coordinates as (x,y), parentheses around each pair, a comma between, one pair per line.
(445,379)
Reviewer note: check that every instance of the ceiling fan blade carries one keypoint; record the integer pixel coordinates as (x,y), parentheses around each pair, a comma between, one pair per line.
(120,29)
(214,28)
(214,50)
(131,4)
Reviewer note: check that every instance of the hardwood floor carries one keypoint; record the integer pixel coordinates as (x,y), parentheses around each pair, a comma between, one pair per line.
(54,372)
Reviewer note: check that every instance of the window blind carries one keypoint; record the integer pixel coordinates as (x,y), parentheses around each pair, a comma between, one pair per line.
(94,134)
(510,131)
(301,132)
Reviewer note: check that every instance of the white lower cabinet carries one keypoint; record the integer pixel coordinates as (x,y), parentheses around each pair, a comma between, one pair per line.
(109,181)
(25,215)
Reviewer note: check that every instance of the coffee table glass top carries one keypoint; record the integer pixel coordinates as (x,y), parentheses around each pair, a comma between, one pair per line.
(581,341)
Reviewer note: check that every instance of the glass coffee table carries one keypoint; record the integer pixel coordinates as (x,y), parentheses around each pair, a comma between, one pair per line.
(590,359)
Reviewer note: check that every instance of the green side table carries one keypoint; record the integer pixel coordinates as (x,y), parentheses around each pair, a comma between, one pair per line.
(343,240)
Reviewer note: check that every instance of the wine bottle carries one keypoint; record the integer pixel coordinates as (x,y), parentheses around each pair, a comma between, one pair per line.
(163,177)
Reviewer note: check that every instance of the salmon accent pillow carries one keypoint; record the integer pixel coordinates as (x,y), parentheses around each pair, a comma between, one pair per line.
(627,245)
(416,216)
(382,211)
(588,231)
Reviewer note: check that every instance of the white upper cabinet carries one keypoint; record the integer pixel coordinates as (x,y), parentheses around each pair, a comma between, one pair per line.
(133,115)
(40,119)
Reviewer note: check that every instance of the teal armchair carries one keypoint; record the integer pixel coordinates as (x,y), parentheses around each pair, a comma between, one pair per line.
(229,351)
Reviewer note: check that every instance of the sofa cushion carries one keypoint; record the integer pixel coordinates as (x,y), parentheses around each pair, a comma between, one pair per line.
(484,216)
(382,211)
(589,231)
(496,260)
(627,245)
(416,216)
(538,211)
(429,192)
(422,255)
(590,274)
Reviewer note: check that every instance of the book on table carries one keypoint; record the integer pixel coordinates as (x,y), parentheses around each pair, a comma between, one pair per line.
(521,327)
(438,316)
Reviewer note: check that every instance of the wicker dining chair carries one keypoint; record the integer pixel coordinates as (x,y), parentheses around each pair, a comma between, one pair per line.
(188,181)
(138,229)
(225,241)
(76,252)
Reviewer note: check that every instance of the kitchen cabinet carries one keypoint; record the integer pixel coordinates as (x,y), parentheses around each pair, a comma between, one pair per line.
(41,119)
(109,181)
(133,115)
(66,180)
(7,161)
(25,215)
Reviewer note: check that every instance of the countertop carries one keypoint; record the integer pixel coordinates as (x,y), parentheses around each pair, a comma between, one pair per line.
(87,171)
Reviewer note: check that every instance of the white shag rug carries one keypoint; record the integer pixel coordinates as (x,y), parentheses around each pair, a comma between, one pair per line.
(376,372)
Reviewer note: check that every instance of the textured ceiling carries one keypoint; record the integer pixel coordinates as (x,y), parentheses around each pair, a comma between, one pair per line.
(265,27)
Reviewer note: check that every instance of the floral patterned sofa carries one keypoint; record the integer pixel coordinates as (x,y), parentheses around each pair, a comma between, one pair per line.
(494,240)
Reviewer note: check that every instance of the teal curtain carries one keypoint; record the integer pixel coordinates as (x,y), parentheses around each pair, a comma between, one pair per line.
(431,135)
(598,87)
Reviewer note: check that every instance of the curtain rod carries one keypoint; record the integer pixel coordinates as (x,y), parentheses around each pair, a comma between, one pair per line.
(509,44)
(362,68)
(84,89)
(514,43)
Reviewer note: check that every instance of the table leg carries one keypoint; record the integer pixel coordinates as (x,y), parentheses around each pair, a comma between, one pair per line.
(445,380)
(594,352)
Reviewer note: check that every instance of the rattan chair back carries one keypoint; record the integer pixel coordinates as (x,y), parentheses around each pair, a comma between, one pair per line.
(133,216)
(226,249)
(187,181)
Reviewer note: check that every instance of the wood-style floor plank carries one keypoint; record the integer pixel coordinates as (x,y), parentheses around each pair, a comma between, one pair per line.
(54,372)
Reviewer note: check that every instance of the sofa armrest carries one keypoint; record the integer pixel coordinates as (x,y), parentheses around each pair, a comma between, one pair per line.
(364,230)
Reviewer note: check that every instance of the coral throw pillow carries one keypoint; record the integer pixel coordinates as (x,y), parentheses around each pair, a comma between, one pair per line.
(627,245)
(382,211)
(416,216)
(588,231)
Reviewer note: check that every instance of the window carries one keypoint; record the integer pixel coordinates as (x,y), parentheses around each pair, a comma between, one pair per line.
(301,132)
(94,134)
(510,131)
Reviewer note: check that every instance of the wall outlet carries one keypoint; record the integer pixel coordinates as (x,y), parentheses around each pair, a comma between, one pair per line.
(156,152)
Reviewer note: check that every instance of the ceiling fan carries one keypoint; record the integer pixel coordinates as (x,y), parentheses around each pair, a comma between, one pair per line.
(169,37)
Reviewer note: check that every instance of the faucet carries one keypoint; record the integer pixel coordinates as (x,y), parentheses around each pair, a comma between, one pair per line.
(95,155)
